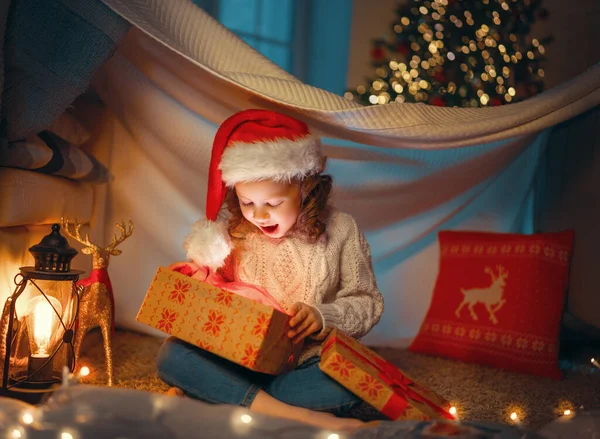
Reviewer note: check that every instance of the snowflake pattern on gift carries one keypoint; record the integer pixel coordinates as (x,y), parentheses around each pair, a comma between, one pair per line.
(262,324)
(213,325)
(167,319)
(224,298)
(370,386)
(250,355)
(341,366)
(203,345)
(179,289)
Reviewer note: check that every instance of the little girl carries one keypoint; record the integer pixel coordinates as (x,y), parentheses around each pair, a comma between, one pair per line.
(281,235)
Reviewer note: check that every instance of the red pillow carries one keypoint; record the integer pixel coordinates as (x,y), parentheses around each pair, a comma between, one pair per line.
(498,300)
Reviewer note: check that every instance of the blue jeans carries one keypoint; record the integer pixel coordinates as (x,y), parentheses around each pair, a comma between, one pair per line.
(210,378)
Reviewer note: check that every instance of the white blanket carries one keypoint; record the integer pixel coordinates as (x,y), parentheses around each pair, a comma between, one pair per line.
(405,171)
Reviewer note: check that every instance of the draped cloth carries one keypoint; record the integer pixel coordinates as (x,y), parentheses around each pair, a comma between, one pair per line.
(404,171)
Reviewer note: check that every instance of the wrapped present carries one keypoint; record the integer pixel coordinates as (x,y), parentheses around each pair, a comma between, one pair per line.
(379,382)
(234,327)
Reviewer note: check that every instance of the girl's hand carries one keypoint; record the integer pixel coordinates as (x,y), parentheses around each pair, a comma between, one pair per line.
(306,320)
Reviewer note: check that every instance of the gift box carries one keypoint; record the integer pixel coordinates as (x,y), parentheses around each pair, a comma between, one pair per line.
(379,382)
(236,328)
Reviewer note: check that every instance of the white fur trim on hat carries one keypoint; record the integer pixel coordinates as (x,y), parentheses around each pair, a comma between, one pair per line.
(277,159)
(208,244)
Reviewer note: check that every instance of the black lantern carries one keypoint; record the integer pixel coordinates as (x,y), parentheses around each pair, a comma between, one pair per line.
(38,321)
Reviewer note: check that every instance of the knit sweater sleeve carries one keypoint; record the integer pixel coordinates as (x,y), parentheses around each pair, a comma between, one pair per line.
(358,304)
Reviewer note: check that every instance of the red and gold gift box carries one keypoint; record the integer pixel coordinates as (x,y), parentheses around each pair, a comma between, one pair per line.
(379,382)
(236,328)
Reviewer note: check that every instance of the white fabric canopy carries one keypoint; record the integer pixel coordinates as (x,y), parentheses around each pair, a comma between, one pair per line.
(405,171)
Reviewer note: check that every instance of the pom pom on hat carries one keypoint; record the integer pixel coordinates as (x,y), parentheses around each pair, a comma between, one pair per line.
(251,145)
(208,244)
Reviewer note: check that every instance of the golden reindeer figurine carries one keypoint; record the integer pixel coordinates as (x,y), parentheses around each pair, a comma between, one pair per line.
(491,296)
(97,306)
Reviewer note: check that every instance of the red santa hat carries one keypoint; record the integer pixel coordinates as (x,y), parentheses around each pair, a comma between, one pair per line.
(251,145)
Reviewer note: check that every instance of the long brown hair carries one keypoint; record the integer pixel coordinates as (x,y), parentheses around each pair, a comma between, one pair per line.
(315,190)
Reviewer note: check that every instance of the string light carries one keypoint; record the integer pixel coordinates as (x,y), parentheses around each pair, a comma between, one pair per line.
(246,418)
(595,363)
(84,371)
(27,418)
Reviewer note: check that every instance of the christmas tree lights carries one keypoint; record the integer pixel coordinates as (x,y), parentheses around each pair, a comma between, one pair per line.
(465,53)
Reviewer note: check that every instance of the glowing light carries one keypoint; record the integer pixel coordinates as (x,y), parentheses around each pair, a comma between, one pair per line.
(514,417)
(484,99)
(84,371)
(451,56)
(42,322)
(66,435)
(452,411)
(567,412)
(511,91)
(16,434)
(360,89)
(595,363)
(348,96)
(333,436)
(27,418)
(373,99)
(246,419)
(405,21)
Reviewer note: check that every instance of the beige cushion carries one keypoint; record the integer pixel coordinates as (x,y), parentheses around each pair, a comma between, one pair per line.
(28,197)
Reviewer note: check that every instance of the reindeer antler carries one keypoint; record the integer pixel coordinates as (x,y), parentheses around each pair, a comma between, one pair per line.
(76,234)
(502,272)
(126,231)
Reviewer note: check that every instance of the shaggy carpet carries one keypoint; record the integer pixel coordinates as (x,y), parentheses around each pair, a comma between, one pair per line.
(479,393)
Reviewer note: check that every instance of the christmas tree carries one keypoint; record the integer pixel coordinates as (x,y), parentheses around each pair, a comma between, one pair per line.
(464,53)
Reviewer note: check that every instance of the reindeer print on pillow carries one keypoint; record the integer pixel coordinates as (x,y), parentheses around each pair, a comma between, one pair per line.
(491,296)
(498,300)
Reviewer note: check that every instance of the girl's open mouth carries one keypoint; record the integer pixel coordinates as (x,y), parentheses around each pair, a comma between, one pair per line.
(269,229)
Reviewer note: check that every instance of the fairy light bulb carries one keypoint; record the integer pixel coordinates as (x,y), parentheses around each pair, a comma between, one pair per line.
(246,419)
(452,411)
(514,417)
(333,436)
(27,418)
(567,412)
(84,371)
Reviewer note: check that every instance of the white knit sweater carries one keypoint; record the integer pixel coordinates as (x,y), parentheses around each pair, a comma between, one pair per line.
(335,275)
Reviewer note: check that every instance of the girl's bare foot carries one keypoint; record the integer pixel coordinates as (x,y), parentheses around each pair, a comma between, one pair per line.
(175,391)
(265,403)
